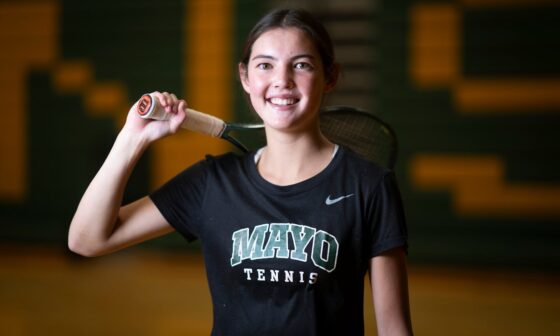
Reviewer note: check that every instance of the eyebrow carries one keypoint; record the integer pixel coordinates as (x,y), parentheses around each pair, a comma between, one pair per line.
(262,56)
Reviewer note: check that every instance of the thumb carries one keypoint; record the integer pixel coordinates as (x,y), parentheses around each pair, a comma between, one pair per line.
(178,118)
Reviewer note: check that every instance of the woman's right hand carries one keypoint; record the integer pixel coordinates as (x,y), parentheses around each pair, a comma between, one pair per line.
(151,130)
(100,225)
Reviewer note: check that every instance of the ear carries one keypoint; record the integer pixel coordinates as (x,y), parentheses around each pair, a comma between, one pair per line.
(244,76)
(332,79)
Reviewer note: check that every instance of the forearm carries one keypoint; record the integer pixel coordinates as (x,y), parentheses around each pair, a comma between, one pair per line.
(97,214)
(389,283)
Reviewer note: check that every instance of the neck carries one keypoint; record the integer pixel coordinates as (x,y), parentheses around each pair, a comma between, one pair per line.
(292,158)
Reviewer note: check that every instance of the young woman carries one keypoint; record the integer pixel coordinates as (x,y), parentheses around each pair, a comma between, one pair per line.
(288,232)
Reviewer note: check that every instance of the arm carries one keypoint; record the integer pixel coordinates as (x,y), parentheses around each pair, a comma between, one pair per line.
(389,287)
(101,225)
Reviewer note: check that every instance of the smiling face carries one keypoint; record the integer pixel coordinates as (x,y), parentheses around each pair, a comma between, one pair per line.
(285,79)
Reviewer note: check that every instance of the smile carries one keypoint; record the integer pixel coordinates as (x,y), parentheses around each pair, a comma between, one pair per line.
(283,101)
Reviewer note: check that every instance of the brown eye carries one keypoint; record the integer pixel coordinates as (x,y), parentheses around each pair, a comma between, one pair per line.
(264,66)
(303,66)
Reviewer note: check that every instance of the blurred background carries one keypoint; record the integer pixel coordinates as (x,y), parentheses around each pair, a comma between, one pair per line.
(472,88)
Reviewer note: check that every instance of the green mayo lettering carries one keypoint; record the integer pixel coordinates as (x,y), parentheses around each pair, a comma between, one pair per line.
(268,241)
(278,241)
(245,247)
(301,236)
(322,257)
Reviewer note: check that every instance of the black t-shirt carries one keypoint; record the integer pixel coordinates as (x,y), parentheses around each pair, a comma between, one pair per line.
(286,260)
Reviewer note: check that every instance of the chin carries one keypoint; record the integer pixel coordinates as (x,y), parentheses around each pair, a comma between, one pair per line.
(280,118)
(281,125)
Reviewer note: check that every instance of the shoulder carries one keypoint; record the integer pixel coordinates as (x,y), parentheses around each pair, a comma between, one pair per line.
(224,161)
(207,168)
(363,169)
(229,165)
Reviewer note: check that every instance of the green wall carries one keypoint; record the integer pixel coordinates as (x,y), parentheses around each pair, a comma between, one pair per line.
(120,37)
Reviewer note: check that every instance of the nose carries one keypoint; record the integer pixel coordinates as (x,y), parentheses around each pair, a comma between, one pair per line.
(284,78)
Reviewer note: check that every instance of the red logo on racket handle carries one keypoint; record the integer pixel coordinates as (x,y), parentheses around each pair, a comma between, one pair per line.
(145,105)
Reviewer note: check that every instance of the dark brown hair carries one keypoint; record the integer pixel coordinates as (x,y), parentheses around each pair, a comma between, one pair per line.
(303,20)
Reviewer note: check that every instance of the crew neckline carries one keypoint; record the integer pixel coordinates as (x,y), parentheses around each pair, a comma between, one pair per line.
(299,187)
(259,152)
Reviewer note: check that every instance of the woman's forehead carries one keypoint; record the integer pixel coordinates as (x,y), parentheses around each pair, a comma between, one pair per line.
(284,40)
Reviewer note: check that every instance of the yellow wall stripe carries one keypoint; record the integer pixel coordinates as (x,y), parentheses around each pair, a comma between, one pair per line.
(506,95)
(435,62)
(478,187)
(34,26)
(72,76)
(435,44)
(207,81)
(439,171)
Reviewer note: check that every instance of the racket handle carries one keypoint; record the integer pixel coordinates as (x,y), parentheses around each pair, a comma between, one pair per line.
(148,107)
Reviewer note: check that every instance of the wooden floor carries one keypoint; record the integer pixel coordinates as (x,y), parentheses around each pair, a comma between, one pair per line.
(45,292)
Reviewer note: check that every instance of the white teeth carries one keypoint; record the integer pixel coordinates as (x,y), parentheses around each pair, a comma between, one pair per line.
(282,101)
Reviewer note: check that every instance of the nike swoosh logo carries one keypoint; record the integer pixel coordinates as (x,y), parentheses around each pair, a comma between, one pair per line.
(330,201)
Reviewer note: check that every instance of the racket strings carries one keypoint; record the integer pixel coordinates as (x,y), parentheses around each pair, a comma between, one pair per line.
(361,132)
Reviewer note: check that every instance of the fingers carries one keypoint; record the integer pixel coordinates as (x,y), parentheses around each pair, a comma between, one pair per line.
(182,107)
(176,108)
(168,101)
(177,120)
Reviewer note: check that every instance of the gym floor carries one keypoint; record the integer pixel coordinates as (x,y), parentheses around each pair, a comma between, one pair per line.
(145,292)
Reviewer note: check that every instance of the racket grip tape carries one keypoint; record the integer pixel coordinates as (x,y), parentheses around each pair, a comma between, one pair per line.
(148,107)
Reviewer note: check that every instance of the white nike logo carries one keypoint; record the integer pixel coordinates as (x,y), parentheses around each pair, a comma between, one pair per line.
(330,201)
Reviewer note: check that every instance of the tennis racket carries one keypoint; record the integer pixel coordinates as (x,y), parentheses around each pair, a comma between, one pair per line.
(148,108)
(362,132)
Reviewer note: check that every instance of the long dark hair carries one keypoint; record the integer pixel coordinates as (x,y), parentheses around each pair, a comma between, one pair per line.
(303,20)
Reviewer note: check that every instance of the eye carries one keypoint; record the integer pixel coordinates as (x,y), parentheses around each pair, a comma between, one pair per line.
(264,66)
(303,66)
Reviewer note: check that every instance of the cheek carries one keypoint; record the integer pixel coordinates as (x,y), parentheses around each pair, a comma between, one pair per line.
(256,84)
(315,88)
(257,92)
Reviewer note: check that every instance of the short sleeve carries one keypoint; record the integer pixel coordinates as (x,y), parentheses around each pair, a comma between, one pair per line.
(388,225)
(180,200)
